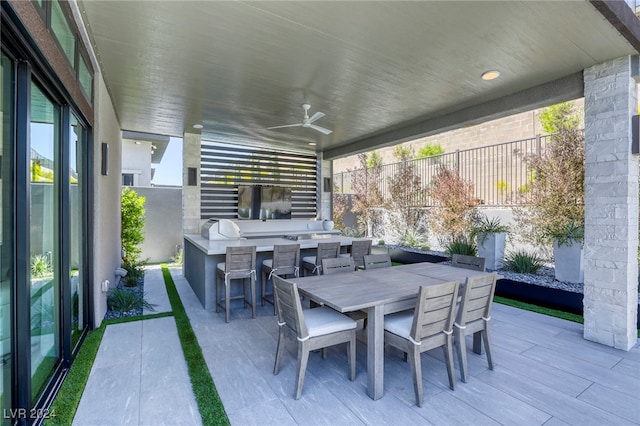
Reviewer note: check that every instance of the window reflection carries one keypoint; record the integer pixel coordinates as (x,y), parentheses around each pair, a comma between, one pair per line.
(76,185)
(6,252)
(44,301)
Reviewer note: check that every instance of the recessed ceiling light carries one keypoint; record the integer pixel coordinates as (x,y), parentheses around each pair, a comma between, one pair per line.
(490,75)
(312,143)
(198,126)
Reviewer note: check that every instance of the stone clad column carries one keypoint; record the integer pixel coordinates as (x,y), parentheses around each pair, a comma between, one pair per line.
(190,193)
(611,204)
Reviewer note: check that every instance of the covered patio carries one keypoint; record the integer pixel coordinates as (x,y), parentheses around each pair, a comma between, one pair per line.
(545,373)
(382,73)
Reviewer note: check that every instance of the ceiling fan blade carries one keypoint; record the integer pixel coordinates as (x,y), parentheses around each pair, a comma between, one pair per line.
(317,116)
(320,129)
(286,125)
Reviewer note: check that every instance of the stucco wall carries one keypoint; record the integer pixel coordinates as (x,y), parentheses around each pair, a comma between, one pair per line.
(163,227)
(106,202)
(137,160)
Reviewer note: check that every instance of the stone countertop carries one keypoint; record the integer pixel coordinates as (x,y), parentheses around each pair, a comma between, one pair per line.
(218,247)
(282,233)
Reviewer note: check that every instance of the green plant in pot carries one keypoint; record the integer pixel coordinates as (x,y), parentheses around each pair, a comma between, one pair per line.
(568,252)
(491,237)
(461,246)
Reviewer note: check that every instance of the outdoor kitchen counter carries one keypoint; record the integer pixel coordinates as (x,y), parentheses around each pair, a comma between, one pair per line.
(201,257)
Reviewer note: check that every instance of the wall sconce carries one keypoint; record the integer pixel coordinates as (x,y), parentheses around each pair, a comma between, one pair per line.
(105,159)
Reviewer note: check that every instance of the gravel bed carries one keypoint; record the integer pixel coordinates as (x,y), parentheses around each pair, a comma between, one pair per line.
(134,312)
(544,277)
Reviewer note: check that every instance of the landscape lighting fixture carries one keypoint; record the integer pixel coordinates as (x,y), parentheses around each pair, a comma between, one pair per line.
(490,75)
(312,143)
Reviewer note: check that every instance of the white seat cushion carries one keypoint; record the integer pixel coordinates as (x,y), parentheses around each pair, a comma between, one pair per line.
(221,266)
(309,259)
(399,324)
(325,320)
(345,255)
(268,263)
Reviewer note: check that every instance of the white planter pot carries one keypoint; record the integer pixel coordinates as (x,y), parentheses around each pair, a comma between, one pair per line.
(491,247)
(327,225)
(569,261)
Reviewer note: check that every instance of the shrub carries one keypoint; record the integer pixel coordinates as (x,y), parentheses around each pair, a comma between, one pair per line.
(556,191)
(132,220)
(462,246)
(40,266)
(413,238)
(134,271)
(429,150)
(340,207)
(455,205)
(351,232)
(406,190)
(523,262)
(122,300)
(177,259)
(366,191)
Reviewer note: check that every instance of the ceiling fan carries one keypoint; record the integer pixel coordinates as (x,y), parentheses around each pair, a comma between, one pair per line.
(307,121)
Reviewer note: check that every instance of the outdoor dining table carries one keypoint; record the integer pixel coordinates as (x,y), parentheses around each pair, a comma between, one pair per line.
(379,292)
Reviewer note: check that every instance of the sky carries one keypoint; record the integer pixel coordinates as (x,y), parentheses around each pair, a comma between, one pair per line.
(169,171)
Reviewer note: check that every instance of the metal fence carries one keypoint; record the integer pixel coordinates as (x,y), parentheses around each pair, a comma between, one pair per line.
(499,173)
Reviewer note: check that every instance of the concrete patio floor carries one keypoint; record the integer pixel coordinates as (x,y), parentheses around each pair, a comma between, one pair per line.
(545,373)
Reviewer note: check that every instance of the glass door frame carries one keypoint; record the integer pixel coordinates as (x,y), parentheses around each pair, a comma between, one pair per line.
(28,67)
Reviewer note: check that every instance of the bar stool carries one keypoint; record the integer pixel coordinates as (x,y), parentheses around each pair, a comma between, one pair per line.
(240,263)
(324,251)
(286,258)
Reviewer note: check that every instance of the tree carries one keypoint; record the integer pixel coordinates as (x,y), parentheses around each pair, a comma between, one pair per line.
(132,221)
(374,159)
(403,152)
(366,192)
(557,190)
(406,191)
(340,205)
(429,150)
(454,210)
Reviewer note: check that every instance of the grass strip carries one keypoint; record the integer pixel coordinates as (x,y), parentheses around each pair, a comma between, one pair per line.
(541,310)
(64,406)
(209,403)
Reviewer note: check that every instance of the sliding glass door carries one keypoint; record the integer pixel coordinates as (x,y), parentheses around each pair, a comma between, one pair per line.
(6,228)
(44,239)
(77,186)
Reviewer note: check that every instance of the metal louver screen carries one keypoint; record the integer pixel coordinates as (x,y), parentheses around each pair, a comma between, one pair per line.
(225,166)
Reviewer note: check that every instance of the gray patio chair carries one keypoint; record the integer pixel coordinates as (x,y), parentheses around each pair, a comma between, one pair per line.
(374,261)
(240,263)
(340,265)
(474,314)
(468,262)
(327,250)
(285,261)
(359,249)
(429,326)
(311,329)
(337,265)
